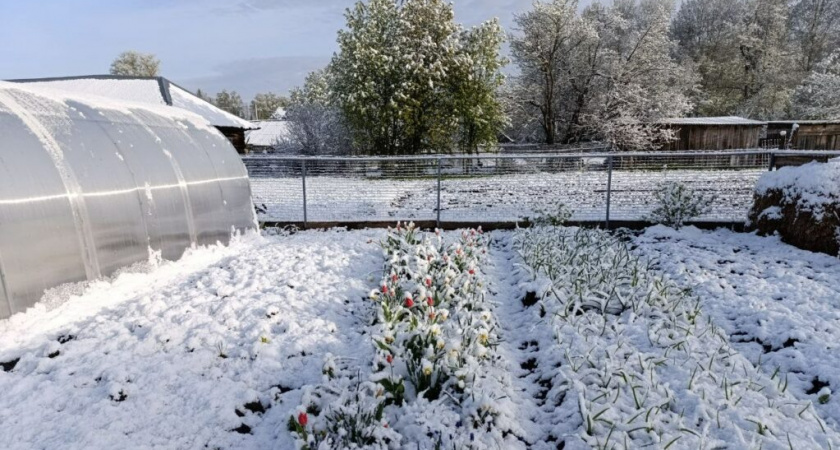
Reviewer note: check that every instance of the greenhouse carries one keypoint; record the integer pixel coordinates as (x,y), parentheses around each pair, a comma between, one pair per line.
(89,185)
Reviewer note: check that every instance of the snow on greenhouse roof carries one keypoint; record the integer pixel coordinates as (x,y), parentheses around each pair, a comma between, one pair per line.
(723,120)
(148,90)
(270,132)
(27,92)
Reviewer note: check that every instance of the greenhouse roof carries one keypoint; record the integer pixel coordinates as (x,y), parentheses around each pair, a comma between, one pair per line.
(148,90)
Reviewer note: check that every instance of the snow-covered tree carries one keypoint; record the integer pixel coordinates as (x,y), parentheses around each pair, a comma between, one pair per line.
(637,82)
(316,126)
(545,48)
(476,87)
(266,105)
(136,64)
(605,74)
(707,33)
(818,97)
(404,73)
(768,60)
(231,102)
(750,53)
(815,30)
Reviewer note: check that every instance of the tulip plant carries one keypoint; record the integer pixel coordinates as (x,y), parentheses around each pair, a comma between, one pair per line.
(433,332)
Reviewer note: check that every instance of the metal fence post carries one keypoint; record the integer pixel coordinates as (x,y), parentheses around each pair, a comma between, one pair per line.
(438,191)
(609,187)
(303,171)
(772,161)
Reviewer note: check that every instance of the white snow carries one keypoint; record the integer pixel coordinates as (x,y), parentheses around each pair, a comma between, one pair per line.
(811,186)
(497,197)
(182,354)
(273,306)
(269,134)
(218,117)
(780,305)
(722,120)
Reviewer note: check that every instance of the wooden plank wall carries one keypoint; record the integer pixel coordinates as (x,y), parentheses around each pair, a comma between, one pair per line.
(817,137)
(716,137)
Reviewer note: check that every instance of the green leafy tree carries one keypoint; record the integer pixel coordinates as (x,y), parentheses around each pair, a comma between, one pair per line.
(266,105)
(230,102)
(409,80)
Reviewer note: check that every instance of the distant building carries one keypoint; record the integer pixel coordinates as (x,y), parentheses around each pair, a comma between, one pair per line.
(714,133)
(266,135)
(805,134)
(152,90)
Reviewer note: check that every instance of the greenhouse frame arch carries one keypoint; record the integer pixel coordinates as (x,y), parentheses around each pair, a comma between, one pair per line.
(89,185)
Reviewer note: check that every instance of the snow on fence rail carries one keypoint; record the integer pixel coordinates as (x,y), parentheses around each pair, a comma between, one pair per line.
(600,187)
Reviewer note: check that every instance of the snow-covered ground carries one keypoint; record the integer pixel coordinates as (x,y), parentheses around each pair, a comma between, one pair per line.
(498,197)
(220,349)
(780,305)
(173,357)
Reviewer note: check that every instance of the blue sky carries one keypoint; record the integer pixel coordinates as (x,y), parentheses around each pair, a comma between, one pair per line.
(248,45)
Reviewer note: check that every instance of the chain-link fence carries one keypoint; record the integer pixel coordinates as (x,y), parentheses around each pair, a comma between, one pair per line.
(598,187)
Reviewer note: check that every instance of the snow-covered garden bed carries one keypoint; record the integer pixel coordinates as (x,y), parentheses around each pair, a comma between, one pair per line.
(535,339)
(802,204)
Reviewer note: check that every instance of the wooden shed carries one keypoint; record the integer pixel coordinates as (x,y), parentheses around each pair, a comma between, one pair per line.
(806,134)
(714,133)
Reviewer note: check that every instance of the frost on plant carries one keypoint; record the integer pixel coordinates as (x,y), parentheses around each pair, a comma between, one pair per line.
(641,367)
(434,334)
(676,203)
(556,216)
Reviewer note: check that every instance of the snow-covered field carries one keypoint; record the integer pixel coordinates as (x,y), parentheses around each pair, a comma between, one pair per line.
(779,305)
(497,198)
(231,345)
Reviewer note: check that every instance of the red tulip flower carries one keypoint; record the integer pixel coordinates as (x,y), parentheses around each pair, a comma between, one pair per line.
(385,289)
(390,359)
(472,271)
(303,419)
(430,301)
(409,303)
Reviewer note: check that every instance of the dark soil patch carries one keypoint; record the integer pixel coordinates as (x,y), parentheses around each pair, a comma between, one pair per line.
(530,365)
(530,299)
(54,354)
(255,407)
(816,386)
(120,397)
(65,338)
(242,429)
(9,366)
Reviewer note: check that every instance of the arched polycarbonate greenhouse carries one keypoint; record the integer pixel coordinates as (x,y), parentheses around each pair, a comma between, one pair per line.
(88,185)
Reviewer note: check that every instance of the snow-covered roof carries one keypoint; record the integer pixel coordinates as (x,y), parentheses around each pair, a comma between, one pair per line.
(722,120)
(149,90)
(805,122)
(270,132)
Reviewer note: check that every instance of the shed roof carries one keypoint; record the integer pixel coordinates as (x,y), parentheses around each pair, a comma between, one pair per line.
(722,120)
(805,122)
(149,90)
(270,132)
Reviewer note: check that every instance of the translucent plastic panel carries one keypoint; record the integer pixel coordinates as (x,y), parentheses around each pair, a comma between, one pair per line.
(111,201)
(233,179)
(158,190)
(39,241)
(204,191)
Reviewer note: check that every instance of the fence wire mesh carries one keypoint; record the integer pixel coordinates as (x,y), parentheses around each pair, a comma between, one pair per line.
(500,188)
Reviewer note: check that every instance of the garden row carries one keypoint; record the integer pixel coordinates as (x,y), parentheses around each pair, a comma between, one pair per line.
(434,380)
(637,364)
